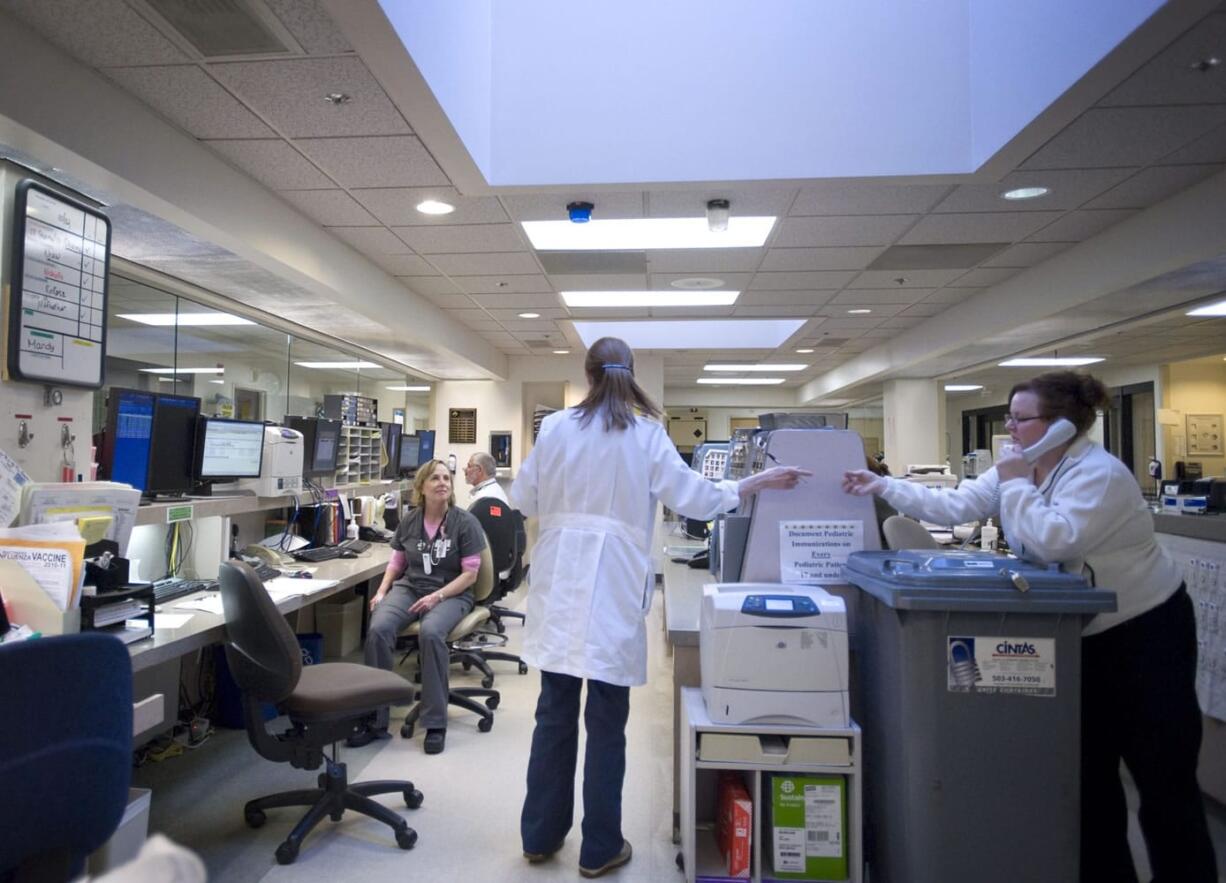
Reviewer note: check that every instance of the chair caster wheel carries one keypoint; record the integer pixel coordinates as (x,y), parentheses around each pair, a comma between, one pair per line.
(487,682)
(523,668)
(417,676)
(406,839)
(492,702)
(467,666)
(485,724)
(413,798)
(500,628)
(255,818)
(406,732)
(286,853)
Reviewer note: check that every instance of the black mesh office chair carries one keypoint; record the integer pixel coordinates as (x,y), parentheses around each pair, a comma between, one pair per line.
(324,703)
(503,528)
(513,580)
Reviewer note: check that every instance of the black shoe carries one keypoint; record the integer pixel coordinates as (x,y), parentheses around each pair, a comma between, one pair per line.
(435,740)
(366,735)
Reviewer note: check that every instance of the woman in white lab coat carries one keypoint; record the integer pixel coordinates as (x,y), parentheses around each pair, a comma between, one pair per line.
(593,480)
(1078,505)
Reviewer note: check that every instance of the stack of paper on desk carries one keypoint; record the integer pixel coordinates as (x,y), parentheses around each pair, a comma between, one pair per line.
(52,555)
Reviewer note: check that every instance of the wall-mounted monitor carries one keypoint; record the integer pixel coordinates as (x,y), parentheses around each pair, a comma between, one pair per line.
(321,440)
(227,450)
(128,436)
(173,444)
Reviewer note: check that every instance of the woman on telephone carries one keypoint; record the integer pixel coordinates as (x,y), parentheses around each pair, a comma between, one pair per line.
(1061,497)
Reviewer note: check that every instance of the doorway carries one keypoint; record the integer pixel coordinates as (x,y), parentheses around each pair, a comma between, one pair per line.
(248,404)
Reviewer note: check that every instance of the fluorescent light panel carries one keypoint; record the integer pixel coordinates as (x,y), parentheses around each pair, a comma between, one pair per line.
(1061,362)
(336,365)
(742,381)
(962,387)
(1217,309)
(403,388)
(730,367)
(637,234)
(184,319)
(184,370)
(649,298)
(705,334)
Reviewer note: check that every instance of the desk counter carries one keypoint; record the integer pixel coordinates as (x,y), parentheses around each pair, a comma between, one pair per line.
(683,602)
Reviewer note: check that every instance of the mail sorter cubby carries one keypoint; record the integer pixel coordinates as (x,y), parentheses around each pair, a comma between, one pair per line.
(810,773)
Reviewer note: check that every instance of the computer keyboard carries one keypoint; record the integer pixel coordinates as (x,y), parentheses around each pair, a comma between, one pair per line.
(320,553)
(355,545)
(172,589)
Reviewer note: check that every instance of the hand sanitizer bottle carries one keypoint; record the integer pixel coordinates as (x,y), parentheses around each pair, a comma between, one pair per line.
(987,537)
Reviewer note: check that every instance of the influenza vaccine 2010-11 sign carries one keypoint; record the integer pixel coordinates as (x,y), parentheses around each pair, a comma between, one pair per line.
(815,551)
(57,310)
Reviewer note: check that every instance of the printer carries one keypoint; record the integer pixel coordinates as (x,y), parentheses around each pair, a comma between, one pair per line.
(774,653)
(281,471)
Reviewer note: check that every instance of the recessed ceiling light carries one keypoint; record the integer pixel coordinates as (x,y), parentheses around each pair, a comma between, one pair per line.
(529,315)
(217,381)
(1205,65)
(1217,309)
(858,312)
(168,380)
(338,98)
(638,234)
(694,334)
(962,387)
(697,283)
(1061,362)
(1025,193)
(732,367)
(561,352)
(742,381)
(402,388)
(804,350)
(435,207)
(336,365)
(614,299)
(184,370)
(184,319)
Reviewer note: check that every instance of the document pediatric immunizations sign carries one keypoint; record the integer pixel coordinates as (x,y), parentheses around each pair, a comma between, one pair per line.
(57,309)
(814,552)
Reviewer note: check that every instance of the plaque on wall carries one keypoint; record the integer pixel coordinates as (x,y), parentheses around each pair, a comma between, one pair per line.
(1205,435)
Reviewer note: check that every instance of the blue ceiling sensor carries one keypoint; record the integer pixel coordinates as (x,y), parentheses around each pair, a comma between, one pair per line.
(580,212)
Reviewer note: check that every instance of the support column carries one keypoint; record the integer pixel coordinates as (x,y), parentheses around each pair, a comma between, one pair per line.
(914,423)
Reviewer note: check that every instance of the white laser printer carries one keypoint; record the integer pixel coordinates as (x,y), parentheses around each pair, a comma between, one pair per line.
(281,470)
(773,653)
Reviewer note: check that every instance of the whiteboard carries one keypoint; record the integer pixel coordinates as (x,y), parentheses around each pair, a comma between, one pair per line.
(57,307)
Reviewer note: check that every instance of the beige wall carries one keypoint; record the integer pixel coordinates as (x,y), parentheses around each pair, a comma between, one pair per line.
(1194,387)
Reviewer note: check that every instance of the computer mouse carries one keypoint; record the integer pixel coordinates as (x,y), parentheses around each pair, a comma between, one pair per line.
(349,553)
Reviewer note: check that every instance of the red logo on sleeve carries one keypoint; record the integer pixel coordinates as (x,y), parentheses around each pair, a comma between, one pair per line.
(496,511)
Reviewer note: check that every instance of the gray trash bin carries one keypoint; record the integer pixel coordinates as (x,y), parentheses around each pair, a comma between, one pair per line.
(969,697)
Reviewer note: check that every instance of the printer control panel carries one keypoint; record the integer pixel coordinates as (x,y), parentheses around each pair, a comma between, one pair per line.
(779,605)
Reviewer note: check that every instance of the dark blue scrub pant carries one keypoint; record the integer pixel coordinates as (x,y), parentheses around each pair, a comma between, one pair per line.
(549,807)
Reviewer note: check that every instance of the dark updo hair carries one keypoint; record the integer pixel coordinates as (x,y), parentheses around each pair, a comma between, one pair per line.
(614,393)
(1076,397)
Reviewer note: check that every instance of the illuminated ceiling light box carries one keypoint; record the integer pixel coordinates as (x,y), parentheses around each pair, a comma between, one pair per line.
(184,319)
(593,299)
(783,366)
(348,365)
(706,334)
(741,381)
(1056,362)
(637,234)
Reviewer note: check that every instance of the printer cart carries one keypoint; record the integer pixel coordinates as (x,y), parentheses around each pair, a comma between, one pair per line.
(757,750)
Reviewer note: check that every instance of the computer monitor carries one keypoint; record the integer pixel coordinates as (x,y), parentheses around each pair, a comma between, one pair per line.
(128,436)
(320,442)
(173,444)
(426,446)
(410,454)
(227,450)
(391,433)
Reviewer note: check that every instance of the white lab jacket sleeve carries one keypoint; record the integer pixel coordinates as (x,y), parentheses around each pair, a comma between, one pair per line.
(1086,508)
(973,500)
(682,489)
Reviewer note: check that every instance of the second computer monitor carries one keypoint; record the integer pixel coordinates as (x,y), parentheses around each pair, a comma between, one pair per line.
(173,444)
(227,450)
(426,445)
(410,454)
(391,433)
(128,437)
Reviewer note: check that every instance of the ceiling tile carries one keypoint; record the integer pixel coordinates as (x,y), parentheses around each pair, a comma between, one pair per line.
(849,300)
(191,99)
(369,240)
(754,201)
(503,284)
(552,206)
(582,263)
(1210,148)
(433,285)
(783,259)
(402,264)
(273,163)
(866,198)
(599,281)
(783,311)
(899,323)
(1125,136)
(510,263)
(819,232)
(924,310)
(1069,190)
(446,301)
(984,277)
(500,337)
(904,278)
(311,26)
(512,314)
(1153,185)
(463,239)
(692,261)
(331,208)
(1169,77)
(977,227)
(871,296)
(1027,254)
(731,281)
(952,295)
(815,280)
(396,161)
(397,206)
(517,301)
(289,93)
(530,326)
(110,34)
(779,298)
(1077,226)
(848,326)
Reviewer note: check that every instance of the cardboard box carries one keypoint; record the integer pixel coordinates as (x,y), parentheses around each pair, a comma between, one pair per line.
(734,824)
(341,625)
(807,824)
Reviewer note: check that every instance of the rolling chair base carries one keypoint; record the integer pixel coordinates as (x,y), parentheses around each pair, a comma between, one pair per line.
(464,697)
(333,796)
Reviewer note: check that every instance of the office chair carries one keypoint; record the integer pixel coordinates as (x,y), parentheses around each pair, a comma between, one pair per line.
(465,697)
(503,528)
(906,533)
(66,753)
(505,586)
(325,703)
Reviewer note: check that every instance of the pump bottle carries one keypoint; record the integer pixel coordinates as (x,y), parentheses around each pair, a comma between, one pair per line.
(987,537)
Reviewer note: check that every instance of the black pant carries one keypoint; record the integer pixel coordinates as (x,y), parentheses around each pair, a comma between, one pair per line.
(1138,703)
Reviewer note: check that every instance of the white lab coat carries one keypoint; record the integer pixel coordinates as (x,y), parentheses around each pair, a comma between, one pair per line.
(595,495)
(1088,515)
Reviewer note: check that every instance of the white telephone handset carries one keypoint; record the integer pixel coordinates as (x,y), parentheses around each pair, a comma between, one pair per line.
(1060,432)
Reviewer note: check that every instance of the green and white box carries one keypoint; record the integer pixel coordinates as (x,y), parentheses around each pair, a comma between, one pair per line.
(806,822)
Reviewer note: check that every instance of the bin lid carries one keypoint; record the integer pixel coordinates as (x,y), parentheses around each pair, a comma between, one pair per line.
(927,579)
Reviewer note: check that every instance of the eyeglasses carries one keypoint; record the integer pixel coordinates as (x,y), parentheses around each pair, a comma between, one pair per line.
(1015,420)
